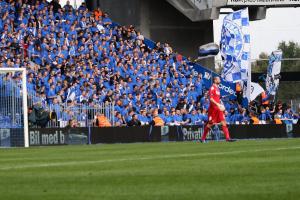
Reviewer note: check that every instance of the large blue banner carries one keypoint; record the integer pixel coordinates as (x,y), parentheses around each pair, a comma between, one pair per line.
(227,89)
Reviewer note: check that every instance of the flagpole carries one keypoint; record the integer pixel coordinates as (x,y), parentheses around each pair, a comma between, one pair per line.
(249,81)
(249,72)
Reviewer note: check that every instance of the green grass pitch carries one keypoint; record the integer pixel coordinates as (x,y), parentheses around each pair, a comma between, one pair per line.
(254,169)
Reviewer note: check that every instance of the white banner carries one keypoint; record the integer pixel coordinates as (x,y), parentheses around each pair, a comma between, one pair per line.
(262,2)
(256,90)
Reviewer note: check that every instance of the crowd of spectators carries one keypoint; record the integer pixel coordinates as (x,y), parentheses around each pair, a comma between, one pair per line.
(74,56)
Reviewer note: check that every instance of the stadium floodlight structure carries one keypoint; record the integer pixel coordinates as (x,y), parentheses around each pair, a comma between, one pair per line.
(201,10)
(13,106)
(196,10)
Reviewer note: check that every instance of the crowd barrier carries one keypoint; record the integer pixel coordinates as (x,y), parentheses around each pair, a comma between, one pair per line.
(109,135)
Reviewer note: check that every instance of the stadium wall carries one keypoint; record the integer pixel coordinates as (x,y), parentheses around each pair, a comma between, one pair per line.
(160,21)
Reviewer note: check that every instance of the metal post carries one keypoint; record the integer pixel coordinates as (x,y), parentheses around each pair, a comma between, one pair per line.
(25,113)
(89,132)
(112,110)
(13,111)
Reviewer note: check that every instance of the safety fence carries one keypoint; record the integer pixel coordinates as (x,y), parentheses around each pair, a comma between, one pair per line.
(11,105)
(44,114)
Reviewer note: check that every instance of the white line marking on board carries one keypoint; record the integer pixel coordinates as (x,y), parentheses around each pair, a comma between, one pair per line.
(87,162)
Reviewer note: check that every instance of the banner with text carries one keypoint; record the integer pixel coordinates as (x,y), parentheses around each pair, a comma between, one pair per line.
(58,136)
(227,89)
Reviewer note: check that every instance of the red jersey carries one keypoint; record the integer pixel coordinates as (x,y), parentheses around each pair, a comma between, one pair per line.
(214,93)
(215,115)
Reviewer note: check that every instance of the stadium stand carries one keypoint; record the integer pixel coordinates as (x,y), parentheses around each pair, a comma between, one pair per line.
(82,58)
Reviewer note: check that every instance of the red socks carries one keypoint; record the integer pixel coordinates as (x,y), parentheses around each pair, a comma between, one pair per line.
(224,128)
(226,132)
(206,129)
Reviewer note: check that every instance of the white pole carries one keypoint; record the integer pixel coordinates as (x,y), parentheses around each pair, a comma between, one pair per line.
(249,73)
(25,109)
(249,83)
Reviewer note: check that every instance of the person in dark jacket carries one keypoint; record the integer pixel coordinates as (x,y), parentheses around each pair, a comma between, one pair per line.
(56,5)
(134,121)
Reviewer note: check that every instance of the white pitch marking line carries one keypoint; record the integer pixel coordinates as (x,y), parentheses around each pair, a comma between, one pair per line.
(57,164)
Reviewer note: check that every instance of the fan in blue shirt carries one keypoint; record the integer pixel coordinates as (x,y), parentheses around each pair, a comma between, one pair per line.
(288,116)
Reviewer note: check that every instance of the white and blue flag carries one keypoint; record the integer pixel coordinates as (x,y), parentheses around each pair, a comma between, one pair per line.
(273,74)
(235,46)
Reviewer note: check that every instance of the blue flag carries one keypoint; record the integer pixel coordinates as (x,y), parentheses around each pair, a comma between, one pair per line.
(235,46)
(273,75)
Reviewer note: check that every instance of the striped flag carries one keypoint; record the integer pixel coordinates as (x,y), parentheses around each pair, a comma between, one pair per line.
(273,75)
(235,46)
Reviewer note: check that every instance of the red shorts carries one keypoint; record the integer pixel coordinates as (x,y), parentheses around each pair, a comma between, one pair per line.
(215,115)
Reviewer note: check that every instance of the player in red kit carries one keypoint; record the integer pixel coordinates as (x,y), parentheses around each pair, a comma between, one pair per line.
(216,111)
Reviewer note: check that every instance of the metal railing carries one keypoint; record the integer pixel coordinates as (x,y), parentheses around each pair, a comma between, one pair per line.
(83,114)
(261,65)
(295,104)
